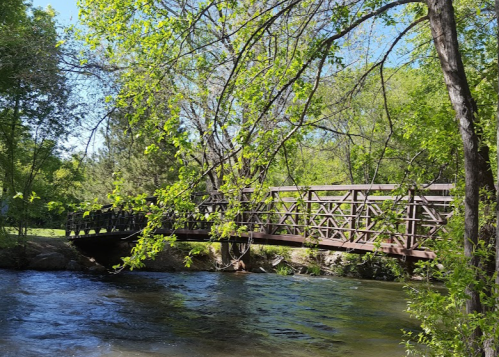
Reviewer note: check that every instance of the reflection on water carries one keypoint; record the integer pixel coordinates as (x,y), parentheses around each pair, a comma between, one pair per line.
(198,314)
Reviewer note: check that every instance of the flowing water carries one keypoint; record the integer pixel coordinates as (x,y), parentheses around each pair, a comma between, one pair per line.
(198,314)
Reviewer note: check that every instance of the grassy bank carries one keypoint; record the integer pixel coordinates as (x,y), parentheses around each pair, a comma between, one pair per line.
(40,232)
(9,238)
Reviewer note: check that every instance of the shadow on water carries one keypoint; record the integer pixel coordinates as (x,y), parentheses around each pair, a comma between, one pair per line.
(198,314)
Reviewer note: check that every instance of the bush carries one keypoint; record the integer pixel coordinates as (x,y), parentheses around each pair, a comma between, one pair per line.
(284,269)
(314,269)
(270,251)
(194,248)
(370,266)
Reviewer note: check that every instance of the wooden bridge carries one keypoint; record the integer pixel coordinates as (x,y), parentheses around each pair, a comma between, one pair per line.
(355,218)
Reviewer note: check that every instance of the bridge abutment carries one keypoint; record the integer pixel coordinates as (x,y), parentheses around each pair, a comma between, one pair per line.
(106,253)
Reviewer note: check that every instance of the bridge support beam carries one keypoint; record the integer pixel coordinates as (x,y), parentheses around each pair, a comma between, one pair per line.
(225,251)
(235,256)
(242,252)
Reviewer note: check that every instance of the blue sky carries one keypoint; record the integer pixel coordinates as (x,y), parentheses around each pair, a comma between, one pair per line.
(68,12)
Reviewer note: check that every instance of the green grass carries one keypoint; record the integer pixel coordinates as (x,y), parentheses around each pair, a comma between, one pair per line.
(47,232)
(196,248)
(41,232)
(9,238)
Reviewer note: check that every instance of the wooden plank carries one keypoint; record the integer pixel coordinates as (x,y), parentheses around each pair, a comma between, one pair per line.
(373,187)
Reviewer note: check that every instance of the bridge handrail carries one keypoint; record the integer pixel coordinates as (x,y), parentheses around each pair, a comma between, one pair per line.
(354,217)
(363,187)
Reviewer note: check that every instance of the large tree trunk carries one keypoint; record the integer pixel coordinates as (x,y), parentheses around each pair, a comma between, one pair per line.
(497,206)
(477,169)
(492,351)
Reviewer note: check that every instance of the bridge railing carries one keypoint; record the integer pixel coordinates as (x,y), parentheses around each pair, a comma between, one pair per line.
(345,214)
(352,213)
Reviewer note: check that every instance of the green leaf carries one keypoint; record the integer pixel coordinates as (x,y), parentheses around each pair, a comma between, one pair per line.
(33,197)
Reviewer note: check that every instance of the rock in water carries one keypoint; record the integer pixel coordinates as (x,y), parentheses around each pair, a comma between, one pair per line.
(98,269)
(74,266)
(48,261)
(278,259)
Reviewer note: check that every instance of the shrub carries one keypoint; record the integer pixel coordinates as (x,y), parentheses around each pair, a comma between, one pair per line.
(284,269)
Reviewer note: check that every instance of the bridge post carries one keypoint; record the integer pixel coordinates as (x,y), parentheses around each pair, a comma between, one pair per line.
(353,214)
(410,225)
(98,221)
(69,220)
(308,221)
(329,233)
(296,225)
(269,228)
(367,220)
(243,253)
(107,219)
(224,250)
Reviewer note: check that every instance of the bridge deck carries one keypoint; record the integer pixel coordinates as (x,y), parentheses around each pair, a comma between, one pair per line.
(356,218)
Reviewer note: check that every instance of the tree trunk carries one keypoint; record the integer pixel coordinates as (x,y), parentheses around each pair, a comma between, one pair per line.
(477,169)
(242,252)
(497,207)
(491,350)
(225,252)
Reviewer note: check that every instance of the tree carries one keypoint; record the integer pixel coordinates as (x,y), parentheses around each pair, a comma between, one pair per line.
(122,158)
(266,63)
(35,110)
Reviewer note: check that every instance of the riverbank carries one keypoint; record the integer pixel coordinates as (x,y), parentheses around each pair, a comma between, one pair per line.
(46,253)
(56,253)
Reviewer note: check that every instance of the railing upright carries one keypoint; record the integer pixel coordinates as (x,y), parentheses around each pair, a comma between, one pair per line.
(353,214)
(69,219)
(410,225)
(308,219)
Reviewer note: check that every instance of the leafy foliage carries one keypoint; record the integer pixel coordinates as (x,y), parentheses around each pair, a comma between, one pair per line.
(448,330)
(246,93)
(35,117)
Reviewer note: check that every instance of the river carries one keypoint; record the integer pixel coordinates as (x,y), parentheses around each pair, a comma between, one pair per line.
(198,314)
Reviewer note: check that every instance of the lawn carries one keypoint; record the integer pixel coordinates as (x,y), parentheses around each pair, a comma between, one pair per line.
(42,232)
